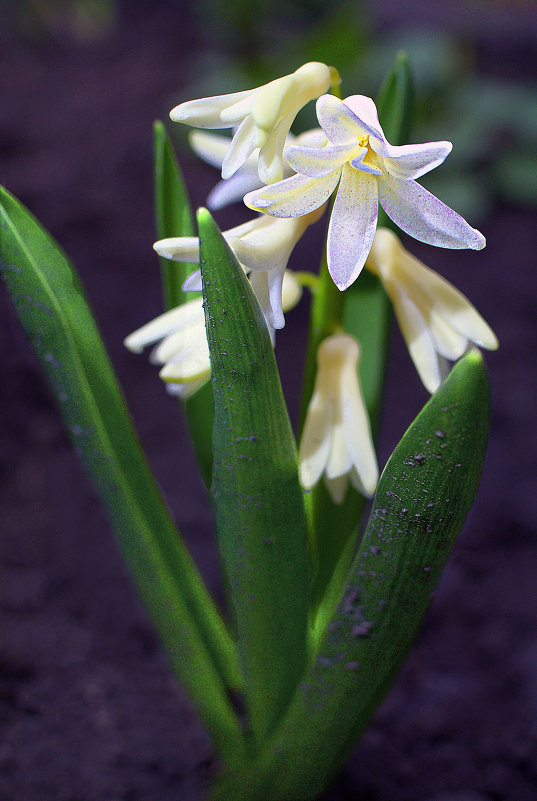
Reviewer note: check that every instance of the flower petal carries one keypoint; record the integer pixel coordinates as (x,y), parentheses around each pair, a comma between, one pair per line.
(193,283)
(447,301)
(179,340)
(206,112)
(359,440)
(315,162)
(337,487)
(289,94)
(337,120)
(448,342)
(359,163)
(186,389)
(271,101)
(191,362)
(275,288)
(242,146)
(237,112)
(411,161)
(291,291)
(315,137)
(232,190)
(179,248)
(293,197)
(163,325)
(352,226)
(258,256)
(339,461)
(418,339)
(422,215)
(315,442)
(260,284)
(270,164)
(210,147)
(364,112)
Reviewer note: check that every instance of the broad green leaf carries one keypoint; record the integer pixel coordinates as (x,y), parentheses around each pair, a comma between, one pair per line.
(365,312)
(424,495)
(52,308)
(259,505)
(173,217)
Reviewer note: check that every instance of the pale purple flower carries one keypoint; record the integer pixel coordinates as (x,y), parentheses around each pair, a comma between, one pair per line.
(366,170)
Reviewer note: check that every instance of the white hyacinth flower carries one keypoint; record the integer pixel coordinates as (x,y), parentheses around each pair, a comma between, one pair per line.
(262,245)
(263,115)
(212,148)
(337,439)
(366,170)
(183,350)
(437,321)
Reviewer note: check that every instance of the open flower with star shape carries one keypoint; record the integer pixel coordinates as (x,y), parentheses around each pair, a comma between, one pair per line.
(437,321)
(263,115)
(366,170)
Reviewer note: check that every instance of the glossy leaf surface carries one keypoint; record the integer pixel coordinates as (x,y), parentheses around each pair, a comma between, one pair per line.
(52,308)
(173,217)
(258,499)
(424,495)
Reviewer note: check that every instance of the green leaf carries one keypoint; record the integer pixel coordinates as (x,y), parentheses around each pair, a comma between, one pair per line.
(52,308)
(259,504)
(424,495)
(173,217)
(395,101)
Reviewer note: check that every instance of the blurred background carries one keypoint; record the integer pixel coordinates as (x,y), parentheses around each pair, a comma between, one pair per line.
(88,708)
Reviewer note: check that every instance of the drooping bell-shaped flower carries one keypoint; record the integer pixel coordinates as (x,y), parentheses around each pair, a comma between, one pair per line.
(182,347)
(437,321)
(336,440)
(263,115)
(261,245)
(366,170)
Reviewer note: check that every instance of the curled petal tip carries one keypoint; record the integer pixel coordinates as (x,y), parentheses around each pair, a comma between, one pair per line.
(177,114)
(480,240)
(257,204)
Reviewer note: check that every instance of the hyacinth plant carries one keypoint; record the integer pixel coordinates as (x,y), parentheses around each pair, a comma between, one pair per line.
(322,605)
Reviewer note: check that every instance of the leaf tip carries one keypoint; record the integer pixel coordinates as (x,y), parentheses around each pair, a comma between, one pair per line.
(158,127)
(203,216)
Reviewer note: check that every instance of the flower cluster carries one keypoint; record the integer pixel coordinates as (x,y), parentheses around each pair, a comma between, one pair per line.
(289,180)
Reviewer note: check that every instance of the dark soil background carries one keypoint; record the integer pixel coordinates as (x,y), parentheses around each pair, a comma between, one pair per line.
(89,710)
